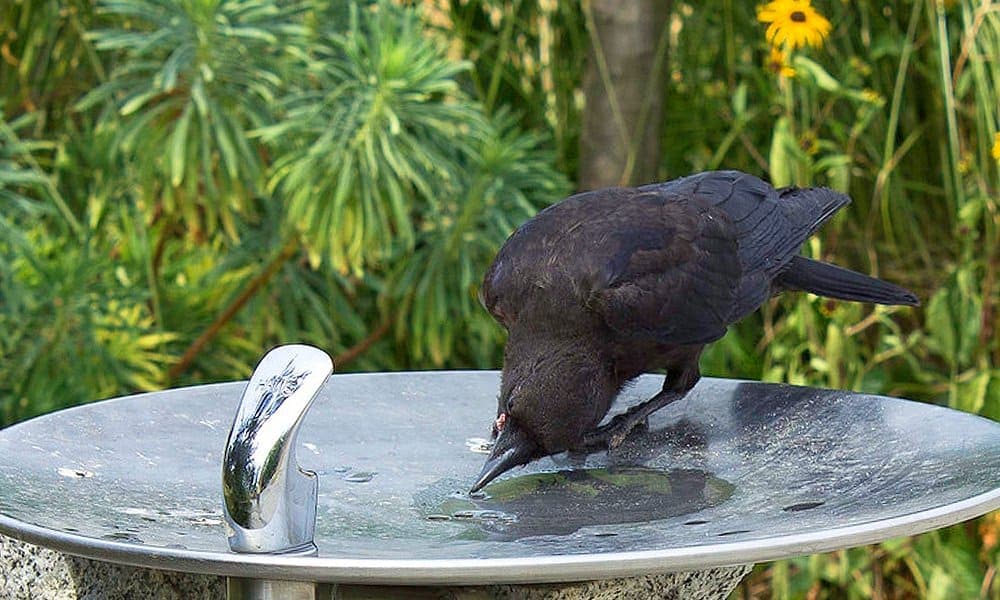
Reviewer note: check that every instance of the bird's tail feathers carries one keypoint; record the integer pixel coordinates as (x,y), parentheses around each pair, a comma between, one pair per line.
(828,280)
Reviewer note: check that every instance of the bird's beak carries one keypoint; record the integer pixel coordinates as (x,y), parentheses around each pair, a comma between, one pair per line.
(513,447)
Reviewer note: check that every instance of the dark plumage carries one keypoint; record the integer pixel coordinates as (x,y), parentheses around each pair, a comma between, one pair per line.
(609,284)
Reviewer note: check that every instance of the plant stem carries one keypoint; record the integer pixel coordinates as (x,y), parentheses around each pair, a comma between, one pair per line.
(50,185)
(152,275)
(950,111)
(358,349)
(501,57)
(289,250)
(882,179)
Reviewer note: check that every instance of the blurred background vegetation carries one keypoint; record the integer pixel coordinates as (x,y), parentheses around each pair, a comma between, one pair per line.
(186,183)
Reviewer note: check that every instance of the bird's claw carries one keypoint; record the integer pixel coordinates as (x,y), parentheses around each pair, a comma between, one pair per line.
(612,435)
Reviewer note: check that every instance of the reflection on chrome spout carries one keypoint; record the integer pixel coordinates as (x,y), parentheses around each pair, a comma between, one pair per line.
(270,502)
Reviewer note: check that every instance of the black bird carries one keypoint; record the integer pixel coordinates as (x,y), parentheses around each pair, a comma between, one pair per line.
(609,284)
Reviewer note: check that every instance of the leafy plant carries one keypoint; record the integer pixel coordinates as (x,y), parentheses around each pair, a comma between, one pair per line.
(46,63)
(377,138)
(73,328)
(186,183)
(192,76)
(458,239)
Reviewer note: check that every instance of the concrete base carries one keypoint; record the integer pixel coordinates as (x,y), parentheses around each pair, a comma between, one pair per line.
(29,572)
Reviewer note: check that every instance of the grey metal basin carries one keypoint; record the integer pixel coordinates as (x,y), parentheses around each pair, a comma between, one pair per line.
(736,473)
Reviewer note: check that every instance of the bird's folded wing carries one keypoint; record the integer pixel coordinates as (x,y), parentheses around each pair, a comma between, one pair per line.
(673,281)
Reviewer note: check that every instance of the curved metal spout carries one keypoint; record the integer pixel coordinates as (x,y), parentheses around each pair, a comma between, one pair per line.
(270,502)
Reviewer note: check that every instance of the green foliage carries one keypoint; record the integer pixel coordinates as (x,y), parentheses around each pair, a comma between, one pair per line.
(20,176)
(459,239)
(74,327)
(376,140)
(185,183)
(525,54)
(243,174)
(190,77)
(44,63)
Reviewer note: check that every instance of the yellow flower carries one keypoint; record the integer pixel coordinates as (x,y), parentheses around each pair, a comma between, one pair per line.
(872,97)
(777,63)
(995,152)
(965,163)
(793,23)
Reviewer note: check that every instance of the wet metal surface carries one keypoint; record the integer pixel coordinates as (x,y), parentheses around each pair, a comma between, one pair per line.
(735,473)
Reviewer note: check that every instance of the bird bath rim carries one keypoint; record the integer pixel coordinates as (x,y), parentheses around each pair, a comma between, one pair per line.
(574,567)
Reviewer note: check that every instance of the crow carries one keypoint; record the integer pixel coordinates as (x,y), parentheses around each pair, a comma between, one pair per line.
(608,284)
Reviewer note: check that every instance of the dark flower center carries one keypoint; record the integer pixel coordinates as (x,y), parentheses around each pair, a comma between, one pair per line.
(798,16)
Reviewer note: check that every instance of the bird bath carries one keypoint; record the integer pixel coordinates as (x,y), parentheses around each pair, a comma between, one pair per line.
(736,473)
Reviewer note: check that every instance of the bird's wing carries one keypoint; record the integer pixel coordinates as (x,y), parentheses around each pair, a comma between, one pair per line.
(675,277)
(770,224)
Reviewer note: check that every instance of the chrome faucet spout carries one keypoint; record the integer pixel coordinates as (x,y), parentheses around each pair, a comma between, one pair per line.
(270,502)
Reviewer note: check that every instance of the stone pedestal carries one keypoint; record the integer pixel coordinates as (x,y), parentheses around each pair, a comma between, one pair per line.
(29,572)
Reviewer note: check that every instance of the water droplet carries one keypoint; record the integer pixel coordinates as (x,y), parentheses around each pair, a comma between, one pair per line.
(802,506)
(360,477)
(479,445)
(484,515)
(120,536)
(75,473)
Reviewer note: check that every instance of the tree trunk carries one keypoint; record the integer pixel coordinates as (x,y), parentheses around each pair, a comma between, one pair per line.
(623,91)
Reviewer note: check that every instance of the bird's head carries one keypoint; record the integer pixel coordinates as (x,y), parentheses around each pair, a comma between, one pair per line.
(548,400)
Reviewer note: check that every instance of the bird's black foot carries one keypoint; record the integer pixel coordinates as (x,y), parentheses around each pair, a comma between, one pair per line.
(611,435)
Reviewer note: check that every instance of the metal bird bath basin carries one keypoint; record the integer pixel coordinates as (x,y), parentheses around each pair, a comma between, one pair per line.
(738,472)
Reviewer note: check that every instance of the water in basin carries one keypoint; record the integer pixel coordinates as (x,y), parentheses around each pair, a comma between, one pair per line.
(562,502)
